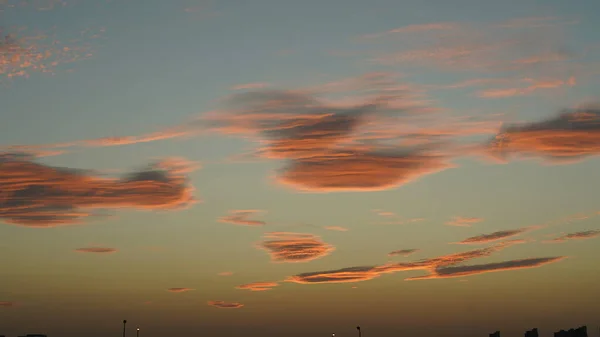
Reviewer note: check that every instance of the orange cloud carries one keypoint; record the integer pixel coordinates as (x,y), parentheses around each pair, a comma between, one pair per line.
(495,236)
(295,247)
(365,273)
(98,250)
(462,271)
(241,217)
(225,273)
(336,228)
(7,304)
(359,171)
(23,55)
(36,195)
(568,137)
(577,236)
(179,290)
(258,286)
(403,252)
(225,305)
(461,221)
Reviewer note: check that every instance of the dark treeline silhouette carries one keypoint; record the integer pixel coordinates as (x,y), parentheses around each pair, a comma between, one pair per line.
(578,332)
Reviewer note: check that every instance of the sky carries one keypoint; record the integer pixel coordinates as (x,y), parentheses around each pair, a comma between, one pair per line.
(298,167)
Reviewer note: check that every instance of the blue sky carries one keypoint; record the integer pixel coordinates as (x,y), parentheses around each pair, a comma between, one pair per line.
(350,129)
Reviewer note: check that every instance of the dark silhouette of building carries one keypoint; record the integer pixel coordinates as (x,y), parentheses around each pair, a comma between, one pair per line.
(495,334)
(34,335)
(532,333)
(579,332)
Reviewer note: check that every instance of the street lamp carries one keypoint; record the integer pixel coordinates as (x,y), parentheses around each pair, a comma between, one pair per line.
(137,332)
(358,328)
(124,324)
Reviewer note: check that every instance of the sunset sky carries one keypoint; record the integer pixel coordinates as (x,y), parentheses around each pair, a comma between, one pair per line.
(299,168)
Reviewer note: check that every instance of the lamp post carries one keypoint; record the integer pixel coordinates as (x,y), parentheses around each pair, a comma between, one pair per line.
(137,334)
(358,328)
(124,325)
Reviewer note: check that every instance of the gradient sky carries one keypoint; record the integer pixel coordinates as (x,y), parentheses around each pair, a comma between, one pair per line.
(299,167)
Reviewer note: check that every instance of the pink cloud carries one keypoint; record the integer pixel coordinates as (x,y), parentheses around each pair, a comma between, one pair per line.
(336,228)
(295,247)
(577,236)
(179,290)
(461,221)
(258,286)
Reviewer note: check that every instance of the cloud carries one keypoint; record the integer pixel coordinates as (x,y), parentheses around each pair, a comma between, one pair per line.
(522,91)
(365,273)
(179,290)
(258,286)
(7,304)
(97,250)
(462,271)
(37,195)
(22,55)
(360,170)
(225,273)
(225,305)
(241,217)
(478,46)
(495,236)
(569,137)
(336,228)
(461,221)
(254,85)
(403,252)
(577,236)
(295,247)
(417,28)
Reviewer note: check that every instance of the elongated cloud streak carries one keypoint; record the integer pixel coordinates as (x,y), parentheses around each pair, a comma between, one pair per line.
(495,236)
(364,273)
(566,138)
(336,228)
(295,247)
(462,271)
(179,290)
(460,221)
(403,252)
(225,305)
(258,286)
(241,217)
(36,195)
(96,250)
(7,304)
(577,236)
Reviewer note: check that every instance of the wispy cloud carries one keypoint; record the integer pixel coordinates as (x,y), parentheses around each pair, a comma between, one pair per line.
(258,286)
(254,85)
(336,228)
(577,236)
(97,250)
(569,137)
(179,290)
(462,271)
(403,252)
(22,54)
(242,218)
(536,85)
(225,305)
(461,221)
(37,195)
(7,304)
(495,236)
(225,273)
(295,247)
(417,28)
(364,273)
